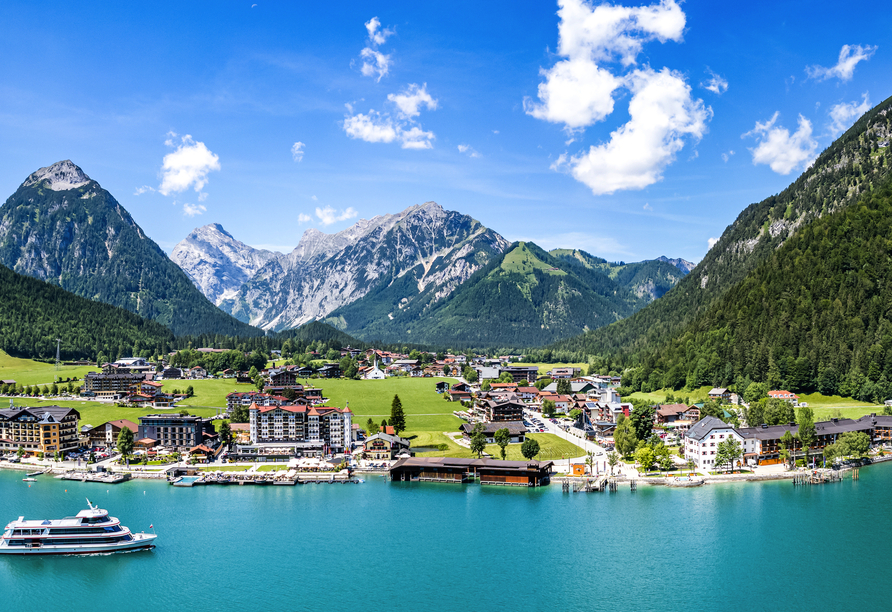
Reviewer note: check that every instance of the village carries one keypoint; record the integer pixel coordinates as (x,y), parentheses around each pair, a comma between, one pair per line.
(283,417)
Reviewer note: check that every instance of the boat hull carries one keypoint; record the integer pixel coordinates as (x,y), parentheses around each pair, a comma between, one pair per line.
(141,541)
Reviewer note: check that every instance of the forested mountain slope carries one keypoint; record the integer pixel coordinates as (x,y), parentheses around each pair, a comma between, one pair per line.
(34,313)
(815,315)
(853,165)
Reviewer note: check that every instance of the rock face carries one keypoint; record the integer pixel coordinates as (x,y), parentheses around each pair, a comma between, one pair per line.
(217,263)
(64,228)
(682,264)
(419,255)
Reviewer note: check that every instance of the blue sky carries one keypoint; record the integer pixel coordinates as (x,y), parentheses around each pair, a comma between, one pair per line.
(627,130)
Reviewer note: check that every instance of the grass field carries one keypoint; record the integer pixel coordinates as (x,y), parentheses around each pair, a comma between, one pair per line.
(551,447)
(96,413)
(28,372)
(425,409)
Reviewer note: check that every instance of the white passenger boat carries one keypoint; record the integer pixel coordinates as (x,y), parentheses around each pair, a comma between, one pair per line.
(92,531)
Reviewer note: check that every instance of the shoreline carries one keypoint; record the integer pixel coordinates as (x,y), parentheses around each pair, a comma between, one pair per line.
(659,481)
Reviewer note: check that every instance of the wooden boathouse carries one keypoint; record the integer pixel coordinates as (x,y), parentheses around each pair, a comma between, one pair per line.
(488,471)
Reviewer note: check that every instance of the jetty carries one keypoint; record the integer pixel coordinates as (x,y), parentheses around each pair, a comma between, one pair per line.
(101,477)
(817,477)
(281,478)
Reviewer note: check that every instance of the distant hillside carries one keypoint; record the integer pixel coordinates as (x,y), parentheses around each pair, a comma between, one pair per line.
(34,313)
(319,331)
(648,280)
(852,166)
(521,298)
(63,227)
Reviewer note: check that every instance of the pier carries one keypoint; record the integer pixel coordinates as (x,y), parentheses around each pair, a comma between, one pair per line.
(101,477)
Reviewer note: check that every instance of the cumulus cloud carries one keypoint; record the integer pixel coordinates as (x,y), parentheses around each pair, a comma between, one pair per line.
(842,115)
(727,156)
(297,151)
(780,150)
(329,215)
(662,113)
(410,101)
(716,84)
(143,189)
(416,138)
(375,63)
(372,127)
(191,210)
(647,206)
(468,150)
(302,218)
(577,91)
(187,166)
(382,127)
(849,56)
(377,34)
(711,242)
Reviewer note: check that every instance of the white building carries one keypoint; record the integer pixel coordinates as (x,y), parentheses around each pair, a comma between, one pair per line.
(702,440)
(306,427)
(374,373)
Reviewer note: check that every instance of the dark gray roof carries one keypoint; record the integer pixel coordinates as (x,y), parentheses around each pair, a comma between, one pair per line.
(455,462)
(701,428)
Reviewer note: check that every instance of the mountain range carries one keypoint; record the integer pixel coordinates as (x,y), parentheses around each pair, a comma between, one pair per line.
(62,227)
(417,276)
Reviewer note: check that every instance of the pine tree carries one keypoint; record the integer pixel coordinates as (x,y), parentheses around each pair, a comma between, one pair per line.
(397,417)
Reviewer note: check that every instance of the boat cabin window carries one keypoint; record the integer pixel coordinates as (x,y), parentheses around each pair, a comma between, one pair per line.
(96,519)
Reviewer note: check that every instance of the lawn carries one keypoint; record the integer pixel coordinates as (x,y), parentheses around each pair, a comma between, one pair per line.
(551,447)
(96,413)
(701,394)
(209,393)
(29,372)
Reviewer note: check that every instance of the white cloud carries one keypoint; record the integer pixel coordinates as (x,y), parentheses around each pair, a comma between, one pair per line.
(727,156)
(143,189)
(373,127)
(187,166)
(297,151)
(845,113)
(411,100)
(716,84)
(377,35)
(302,218)
(468,150)
(781,150)
(849,56)
(202,196)
(375,63)
(314,198)
(190,210)
(662,114)
(711,242)
(381,127)
(647,206)
(577,91)
(416,138)
(329,215)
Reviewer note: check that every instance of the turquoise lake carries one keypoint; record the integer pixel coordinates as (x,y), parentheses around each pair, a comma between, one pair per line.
(420,546)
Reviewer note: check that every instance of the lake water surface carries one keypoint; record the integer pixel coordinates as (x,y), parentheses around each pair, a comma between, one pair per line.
(419,546)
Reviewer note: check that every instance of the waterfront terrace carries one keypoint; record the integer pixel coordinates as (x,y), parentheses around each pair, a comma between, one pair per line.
(457,470)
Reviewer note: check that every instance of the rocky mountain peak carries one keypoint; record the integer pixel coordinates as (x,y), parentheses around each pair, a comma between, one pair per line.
(61,176)
(682,264)
(216,262)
